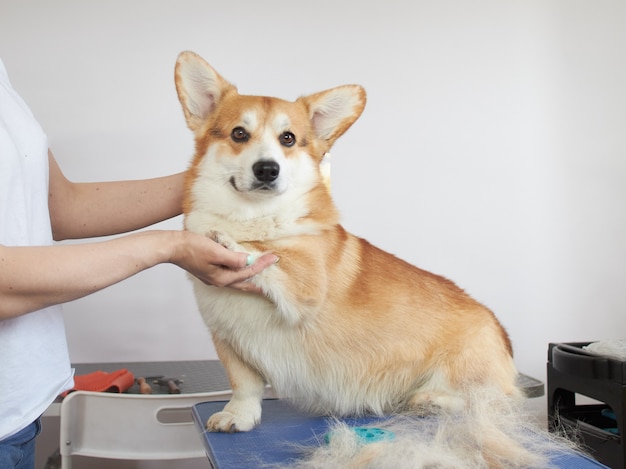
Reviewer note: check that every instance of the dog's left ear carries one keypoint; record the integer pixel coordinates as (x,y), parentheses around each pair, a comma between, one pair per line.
(333,111)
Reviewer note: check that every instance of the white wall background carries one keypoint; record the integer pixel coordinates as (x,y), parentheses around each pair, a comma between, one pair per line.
(492,149)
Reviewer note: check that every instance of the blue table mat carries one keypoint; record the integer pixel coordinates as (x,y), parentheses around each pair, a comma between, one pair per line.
(284,431)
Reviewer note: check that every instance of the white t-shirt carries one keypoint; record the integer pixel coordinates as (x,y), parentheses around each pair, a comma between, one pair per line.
(34,361)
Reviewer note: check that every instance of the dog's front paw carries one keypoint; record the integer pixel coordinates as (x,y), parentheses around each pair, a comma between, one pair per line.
(236,417)
(228,422)
(221,238)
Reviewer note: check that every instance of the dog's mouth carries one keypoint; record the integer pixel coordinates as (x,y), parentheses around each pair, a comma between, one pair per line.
(257,186)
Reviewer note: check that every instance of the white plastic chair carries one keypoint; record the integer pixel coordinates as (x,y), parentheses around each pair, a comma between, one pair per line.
(131,426)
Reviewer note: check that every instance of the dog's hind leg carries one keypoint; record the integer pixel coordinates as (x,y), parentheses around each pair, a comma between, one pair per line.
(433,394)
(427,402)
(243,412)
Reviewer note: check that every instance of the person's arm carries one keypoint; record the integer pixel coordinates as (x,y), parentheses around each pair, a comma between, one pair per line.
(86,210)
(35,277)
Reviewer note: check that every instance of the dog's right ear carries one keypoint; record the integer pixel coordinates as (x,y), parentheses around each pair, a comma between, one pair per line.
(200,88)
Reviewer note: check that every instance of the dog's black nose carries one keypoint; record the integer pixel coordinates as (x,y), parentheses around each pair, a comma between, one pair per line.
(265,170)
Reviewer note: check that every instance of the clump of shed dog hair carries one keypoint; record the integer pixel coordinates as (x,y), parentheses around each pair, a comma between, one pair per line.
(492,433)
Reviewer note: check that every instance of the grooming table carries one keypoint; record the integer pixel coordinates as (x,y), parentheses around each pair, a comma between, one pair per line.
(274,441)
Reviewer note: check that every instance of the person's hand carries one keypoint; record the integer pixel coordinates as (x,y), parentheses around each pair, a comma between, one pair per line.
(215,265)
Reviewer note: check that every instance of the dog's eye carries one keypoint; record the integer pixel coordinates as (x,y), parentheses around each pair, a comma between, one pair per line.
(287,139)
(239,135)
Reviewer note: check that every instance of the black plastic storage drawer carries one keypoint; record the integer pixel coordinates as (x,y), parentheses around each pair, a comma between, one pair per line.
(599,427)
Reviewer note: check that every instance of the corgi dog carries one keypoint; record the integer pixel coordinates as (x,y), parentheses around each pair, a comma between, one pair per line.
(341,327)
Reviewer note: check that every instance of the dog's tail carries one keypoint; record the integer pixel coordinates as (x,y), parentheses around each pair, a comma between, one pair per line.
(493,432)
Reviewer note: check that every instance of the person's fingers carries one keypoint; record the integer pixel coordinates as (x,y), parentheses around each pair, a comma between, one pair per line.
(262,262)
(242,276)
(240,260)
